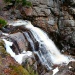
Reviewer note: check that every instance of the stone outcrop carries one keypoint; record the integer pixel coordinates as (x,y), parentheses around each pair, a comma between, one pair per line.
(20,42)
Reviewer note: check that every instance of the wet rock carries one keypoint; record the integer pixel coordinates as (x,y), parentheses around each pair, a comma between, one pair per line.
(65,72)
(49,73)
(20,41)
(71,65)
(0,32)
(73,39)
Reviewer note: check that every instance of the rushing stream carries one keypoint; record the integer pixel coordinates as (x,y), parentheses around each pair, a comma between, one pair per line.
(41,45)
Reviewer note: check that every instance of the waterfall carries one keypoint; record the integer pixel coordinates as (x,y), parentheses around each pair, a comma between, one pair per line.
(47,52)
(20,57)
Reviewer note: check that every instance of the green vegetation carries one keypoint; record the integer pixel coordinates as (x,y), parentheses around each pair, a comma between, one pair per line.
(18,70)
(22,2)
(2,23)
(29,68)
(2,49)
(7,1)
(26,3)
(21,71)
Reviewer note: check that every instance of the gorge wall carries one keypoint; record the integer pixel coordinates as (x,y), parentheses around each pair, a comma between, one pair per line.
(57,17)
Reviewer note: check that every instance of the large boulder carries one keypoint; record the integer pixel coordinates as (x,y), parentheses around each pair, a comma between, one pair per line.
(21,42)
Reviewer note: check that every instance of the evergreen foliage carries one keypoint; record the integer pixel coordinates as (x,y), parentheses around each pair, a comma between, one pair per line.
(2,23)
(17,2)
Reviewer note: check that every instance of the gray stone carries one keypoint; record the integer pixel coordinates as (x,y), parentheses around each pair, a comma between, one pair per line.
(38,11)
(45,2)
(21,41)
(34,13)
(72,11)
(46,11)
(51,22)
(42,6)
(73,38)
(51,3)
(55,11)
(65,72)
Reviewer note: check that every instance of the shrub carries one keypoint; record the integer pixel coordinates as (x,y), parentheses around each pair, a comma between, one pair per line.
(2,23)
(26,3)
(17,2)
(7,1)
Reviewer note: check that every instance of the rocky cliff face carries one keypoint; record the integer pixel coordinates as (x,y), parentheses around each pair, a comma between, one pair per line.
(57,17)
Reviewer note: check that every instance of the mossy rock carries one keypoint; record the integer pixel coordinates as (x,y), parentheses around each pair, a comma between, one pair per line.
(18,70)
(22,2)
(2,49)
(3,23)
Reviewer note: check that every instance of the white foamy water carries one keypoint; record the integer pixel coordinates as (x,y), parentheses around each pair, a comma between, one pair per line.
(55,70)
(20,57)
(48,53)
(5,34)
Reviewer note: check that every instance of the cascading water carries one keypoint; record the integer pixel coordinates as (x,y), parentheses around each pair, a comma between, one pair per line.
(47,52)
(19,58)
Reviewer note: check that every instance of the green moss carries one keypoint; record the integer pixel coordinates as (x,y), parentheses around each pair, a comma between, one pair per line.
(3,52)
(2,23)
(2,49)
(17,2)
(19,70)
(30,68)
(31,71)
(26,3)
